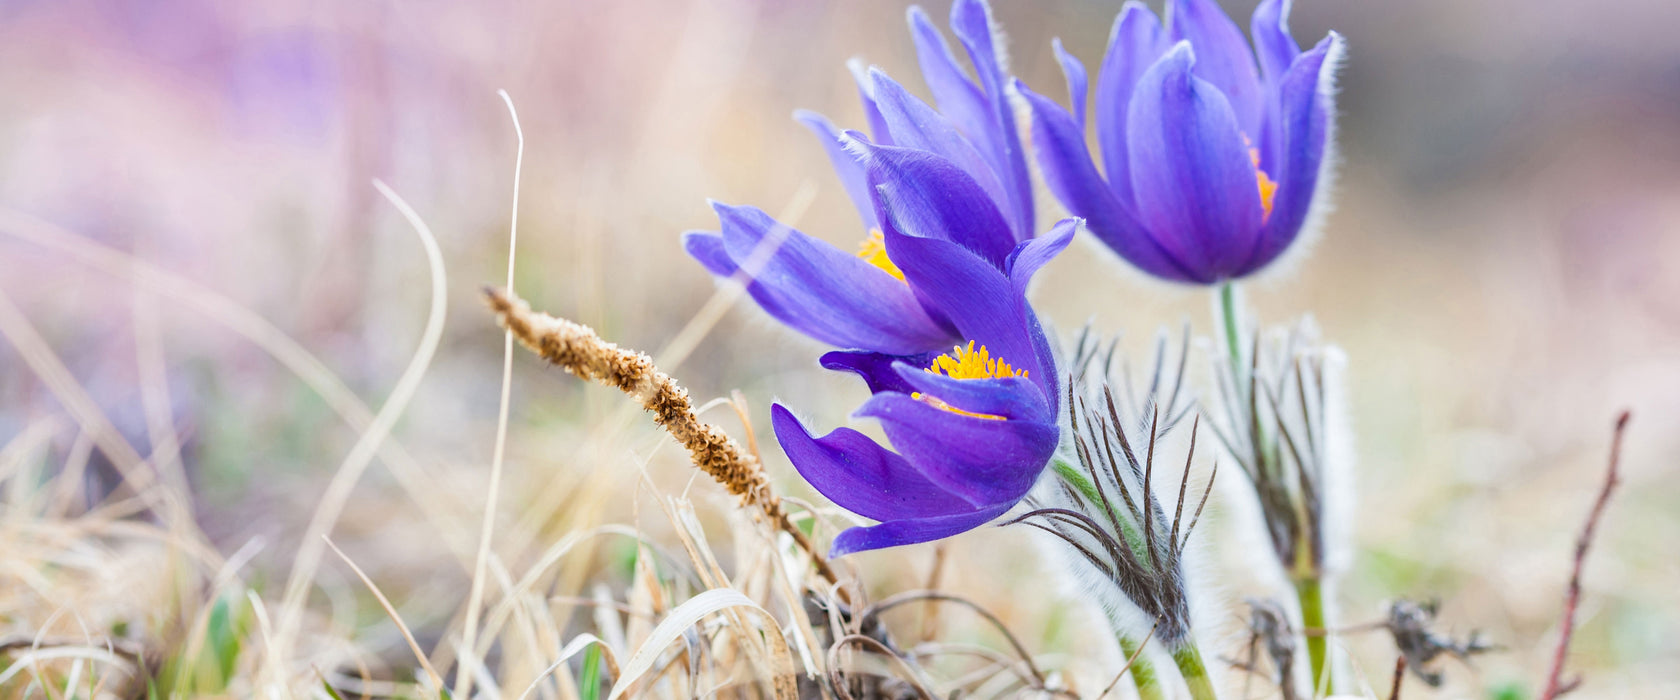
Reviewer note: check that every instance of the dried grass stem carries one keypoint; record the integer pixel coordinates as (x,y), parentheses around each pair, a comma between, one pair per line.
(577,349)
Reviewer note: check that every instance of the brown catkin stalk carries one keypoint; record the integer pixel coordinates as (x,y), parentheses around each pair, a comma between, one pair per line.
(577,349)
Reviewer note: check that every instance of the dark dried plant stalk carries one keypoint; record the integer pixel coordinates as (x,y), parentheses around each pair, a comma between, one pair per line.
(577,349)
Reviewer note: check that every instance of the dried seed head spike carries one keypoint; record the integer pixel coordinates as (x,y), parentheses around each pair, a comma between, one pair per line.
(577,349)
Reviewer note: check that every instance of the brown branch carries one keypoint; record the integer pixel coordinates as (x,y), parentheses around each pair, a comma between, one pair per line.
(1555,685)
(577,349)
(1399,677)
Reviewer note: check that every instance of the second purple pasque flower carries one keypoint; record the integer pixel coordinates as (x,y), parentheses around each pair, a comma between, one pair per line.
(1213,165)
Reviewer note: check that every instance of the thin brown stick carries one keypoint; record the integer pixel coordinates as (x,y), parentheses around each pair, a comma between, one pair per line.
(912,596)
(837,677)
(577,349)
(1399,677)
(1129,661)
(1555,685)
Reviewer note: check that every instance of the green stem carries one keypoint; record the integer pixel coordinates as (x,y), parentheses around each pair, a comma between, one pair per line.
(1310,591)
(1143,673)
(1189,662)
(1233,342)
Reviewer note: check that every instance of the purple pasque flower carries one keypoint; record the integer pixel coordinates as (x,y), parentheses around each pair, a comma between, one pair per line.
(1213,166)
(972,428)
(973,127)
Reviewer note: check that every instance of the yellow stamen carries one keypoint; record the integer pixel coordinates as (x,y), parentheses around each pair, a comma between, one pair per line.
(964,362)
(1268,188)
(873,250)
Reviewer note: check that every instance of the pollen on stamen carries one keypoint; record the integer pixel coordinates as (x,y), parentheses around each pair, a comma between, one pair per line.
(873,250)
(965,362)
(1268,187)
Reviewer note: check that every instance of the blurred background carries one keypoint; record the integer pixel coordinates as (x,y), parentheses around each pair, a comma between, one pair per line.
(1502,269)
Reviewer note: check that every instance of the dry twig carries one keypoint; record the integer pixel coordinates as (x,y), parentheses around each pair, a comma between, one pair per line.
(1555,685)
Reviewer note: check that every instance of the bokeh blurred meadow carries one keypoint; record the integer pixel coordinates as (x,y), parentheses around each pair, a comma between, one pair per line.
(192,249)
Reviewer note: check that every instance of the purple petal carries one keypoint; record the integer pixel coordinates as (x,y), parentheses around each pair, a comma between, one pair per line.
(1275,47)
(911,531)
(707,247)
(985,461)
(1072,176)
(1077,83)
(1134,44)
(819,290)
(1196,187)
(1223,56)
(1307,98)
(1034,254)
(1014,398)
(871,111)
(876,368)
(971,21)
(914,124)
(978,299)
(925,196)
(959,99)
(859,475)
(846,165)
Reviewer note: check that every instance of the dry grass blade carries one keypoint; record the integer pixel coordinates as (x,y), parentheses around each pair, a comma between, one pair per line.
(414,646)
(247,324)
(52,372)
(475,598)
(337,495)
(685,616)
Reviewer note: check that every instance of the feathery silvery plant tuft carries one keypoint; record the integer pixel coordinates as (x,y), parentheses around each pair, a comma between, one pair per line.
(1278,418)
(1125,539)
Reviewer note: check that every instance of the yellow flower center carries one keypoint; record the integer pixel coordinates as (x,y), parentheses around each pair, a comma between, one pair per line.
(1268,188)
(964,362)
(873,250)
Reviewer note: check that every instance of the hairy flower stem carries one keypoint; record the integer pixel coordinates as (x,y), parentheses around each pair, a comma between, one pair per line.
(1189,662)
(1306,578)
(1309,590)
(1144,676)
(1143,673)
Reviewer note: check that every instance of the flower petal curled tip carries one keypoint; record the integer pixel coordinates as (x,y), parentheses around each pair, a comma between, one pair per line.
(958,98)
(1307,110)
(971,20)
(1077,82)
(916,125)
(1072,176)
(1224,58)
(875,368)
(1191,170)
(923,195)
(846,165)
(897,533)
(815,288)
(1135,43)
(984,461)
(850,469)
(1274,45)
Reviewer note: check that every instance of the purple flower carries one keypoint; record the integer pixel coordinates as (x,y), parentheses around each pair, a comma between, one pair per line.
(931,311)
(974,126)
(973,428)
(1213,166)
